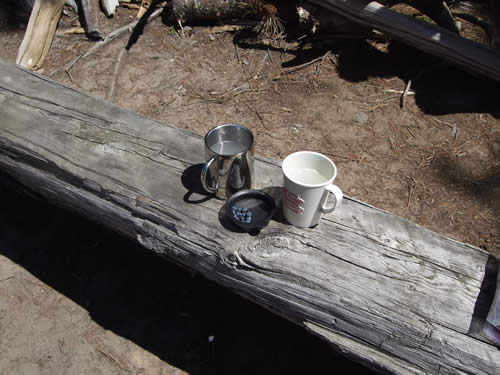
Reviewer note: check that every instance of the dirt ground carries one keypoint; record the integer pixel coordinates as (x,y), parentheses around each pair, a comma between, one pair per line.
(435,161)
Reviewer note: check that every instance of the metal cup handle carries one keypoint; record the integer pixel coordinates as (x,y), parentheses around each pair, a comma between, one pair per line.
(204,172)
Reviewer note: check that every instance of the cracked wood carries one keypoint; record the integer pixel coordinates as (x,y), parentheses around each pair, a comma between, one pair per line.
(381,289)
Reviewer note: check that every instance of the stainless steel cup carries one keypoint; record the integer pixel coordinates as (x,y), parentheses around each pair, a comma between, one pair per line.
(229,155)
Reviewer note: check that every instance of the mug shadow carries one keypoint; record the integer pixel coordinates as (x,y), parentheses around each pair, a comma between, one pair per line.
(157,305)
(191,180)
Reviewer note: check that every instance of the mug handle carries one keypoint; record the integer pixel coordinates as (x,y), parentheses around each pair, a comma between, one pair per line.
(335,190)
(204,172)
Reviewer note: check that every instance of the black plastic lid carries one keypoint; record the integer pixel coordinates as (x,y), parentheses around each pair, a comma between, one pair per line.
(250,209)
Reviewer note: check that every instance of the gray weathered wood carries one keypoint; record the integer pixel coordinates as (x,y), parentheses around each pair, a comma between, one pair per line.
(381,289)
(90,9)
(432,39)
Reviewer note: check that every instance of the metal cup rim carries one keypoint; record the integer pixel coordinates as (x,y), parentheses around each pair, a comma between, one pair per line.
(214,129)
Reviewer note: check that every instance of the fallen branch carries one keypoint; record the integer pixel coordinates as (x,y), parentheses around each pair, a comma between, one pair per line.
(109,38)
(116,70)
(40,33)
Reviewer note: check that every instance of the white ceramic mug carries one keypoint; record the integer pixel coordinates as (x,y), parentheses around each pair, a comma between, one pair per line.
(308,181)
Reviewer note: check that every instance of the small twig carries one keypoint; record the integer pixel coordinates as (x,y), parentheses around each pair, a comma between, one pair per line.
(305,65)
(257,114)
(405,93)
(269,54)
(130,6)
(110,37)
(182,28)
(261,65)
(71,30)
(112,359)
(351,158)
(410,193)
(411,133)
(454,129)
(67,73)
(221,99)
(111,89)
(444,123)
(237,53)
(391,91)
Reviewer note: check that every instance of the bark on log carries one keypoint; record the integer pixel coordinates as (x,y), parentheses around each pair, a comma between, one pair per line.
(40,33)
(383,290)
(212,10)
(435,40)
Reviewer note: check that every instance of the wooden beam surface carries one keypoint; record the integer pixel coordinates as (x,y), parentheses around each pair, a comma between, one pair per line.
(381,289)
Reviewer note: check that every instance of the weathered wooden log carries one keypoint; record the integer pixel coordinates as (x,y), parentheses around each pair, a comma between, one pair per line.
(40,33)
(435,40)
(436,10)
(89,9)
(383,290)
(212,10)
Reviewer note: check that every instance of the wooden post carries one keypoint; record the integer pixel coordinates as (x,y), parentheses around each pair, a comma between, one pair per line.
(381,289)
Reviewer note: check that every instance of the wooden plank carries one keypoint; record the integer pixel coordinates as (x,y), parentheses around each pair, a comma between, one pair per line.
(435,40)
(381,289)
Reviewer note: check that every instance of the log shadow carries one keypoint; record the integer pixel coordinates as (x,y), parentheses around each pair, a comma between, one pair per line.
(484,187)
(440,87)
(484,300)
(155,304)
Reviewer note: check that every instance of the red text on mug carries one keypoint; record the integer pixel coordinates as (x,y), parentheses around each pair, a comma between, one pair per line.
(293,202)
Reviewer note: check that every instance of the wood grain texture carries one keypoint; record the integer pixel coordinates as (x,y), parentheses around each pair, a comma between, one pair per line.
(39,33)
(381,289)
(435,40)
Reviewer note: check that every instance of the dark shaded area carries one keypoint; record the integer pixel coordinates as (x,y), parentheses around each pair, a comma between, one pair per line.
(487,292)
(484,302)
(191,181)
(484,187)
(16,14)
(138,295)
(440,87)
(139,28)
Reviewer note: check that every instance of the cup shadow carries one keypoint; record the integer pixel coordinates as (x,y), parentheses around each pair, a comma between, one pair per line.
(191,180)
